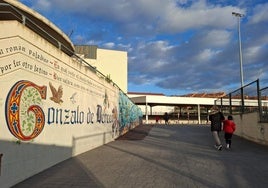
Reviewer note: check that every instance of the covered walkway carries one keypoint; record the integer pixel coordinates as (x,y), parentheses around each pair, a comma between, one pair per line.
(154,100)
(150,101)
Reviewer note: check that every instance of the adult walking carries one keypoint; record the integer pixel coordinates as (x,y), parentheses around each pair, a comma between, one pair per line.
(166,118)
(216,118)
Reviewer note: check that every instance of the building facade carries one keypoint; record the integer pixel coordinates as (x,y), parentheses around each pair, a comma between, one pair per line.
(112,63)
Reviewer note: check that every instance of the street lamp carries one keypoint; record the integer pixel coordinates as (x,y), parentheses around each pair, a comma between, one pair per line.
(239,15)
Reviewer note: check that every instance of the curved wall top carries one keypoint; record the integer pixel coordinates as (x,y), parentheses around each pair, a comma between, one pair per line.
(36,22)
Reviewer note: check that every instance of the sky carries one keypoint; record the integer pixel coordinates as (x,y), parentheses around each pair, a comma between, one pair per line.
(175,47)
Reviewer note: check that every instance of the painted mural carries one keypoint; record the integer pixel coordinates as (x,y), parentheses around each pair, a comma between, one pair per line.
(52,105)
(55,93)
(25,116)
(129,112)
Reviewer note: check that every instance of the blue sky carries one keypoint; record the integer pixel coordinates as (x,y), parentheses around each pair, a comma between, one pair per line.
(174,47)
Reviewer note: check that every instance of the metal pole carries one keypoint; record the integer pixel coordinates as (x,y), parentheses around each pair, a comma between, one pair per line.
(238,15)
(240,54)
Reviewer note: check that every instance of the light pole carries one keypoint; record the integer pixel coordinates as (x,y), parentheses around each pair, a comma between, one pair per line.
(239,15)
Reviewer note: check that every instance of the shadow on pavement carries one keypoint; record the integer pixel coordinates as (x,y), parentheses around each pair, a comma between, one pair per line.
(138,133)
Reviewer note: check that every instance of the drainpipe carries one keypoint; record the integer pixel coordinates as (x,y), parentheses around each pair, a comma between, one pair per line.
(1,155)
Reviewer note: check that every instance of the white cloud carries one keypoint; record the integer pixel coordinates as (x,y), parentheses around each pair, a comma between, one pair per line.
(216,38)
(172,44)
(198,15)
(150,15)
(252,52)
(205,55)
(42,5)
(109,45)
(260,14)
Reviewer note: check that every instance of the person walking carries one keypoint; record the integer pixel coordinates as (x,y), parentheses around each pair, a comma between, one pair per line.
(166,118)
(156,119)
(228,128)
(216,118)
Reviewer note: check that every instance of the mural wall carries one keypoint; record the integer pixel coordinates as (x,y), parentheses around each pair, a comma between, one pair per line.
(129,113)
(52,107)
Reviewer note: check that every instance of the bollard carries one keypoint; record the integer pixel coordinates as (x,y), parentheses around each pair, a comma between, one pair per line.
(1,155)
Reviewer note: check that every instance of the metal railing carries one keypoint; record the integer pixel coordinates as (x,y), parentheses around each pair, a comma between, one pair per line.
(264,104)
(247,99)
(8,12)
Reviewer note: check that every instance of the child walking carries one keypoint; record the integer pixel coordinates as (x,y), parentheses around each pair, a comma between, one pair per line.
(228,128)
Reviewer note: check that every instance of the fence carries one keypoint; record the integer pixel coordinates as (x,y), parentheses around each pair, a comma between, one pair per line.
(264,104)
(247,99)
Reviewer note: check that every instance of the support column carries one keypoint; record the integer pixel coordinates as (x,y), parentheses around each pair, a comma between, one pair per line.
(146,113)
(199,114)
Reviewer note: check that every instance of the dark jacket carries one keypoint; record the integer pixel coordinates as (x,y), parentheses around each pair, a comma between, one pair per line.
(216,121)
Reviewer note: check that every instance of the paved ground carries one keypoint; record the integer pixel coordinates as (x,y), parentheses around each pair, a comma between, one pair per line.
(161,157)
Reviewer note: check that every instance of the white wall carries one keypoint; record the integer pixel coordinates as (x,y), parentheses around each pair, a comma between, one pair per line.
(112,63)
(249,127)
(65,128)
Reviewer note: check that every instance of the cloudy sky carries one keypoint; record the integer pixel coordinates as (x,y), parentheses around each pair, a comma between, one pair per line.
(174,47)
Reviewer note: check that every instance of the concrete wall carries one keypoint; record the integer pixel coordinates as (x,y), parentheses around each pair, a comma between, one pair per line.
(51,106)
(248,127)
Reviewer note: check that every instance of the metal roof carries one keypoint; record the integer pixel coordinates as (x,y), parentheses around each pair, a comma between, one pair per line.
(171,101)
